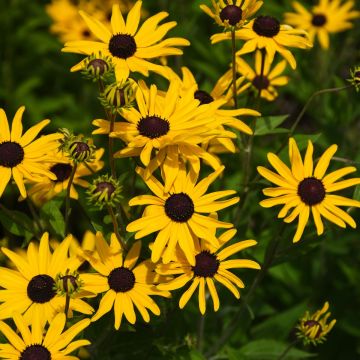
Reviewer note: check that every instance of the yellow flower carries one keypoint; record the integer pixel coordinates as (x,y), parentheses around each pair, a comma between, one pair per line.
(29,290)
(312,329)
(20,155)
(33,343)
(62,167)
(128,45)
(267,82)
(266,32)
(308,190)
(328,17)
(211,265)
(168,127)
(232,13)
(125,285)
(176,215)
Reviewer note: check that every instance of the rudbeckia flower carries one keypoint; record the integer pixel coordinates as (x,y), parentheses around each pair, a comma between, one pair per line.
(266,32)
(313,328)
(267,82)
(168,127)
(30,289)
(124,283)
(126,44)
(21,156)
(306,189)
(328,17)
(35,344)
(177,214)
(62,167)
(232,13)
(211,266)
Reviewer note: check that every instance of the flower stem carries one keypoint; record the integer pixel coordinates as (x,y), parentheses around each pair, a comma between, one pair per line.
(288,348)
(306,106)
(67,305)
(200,333)
(67,199)
(111,118)
(116,227)
(233,51)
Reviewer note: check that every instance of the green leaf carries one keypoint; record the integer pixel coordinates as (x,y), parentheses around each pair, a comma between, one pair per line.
(266,349)
(17,223)
(279,325)
(268,125)
(51,212)
(357,193)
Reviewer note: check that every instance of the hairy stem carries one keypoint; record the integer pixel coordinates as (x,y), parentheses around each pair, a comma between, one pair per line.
(67,198)
(116,227)
(233,51)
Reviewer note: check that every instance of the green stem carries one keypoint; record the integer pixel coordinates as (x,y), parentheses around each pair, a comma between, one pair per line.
(200,334)
(67,305)
(111,118)
(234,324)
(306,106)
(233,51)
(289,347)
(116,227)
(67,199)
(34,215)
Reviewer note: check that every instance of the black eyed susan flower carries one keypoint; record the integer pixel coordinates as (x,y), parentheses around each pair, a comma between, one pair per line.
(232,13)
(266,32)
(306,189)
(62,167)
(267,82)
(177,214)
(211,266)
(126,44)
(30,289)
(105,191)
(125,284)
(21,156)
(313,328)
(33,344)
(168,127)
(328,17)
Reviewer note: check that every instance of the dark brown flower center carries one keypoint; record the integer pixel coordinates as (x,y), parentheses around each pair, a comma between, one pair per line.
(266,26)
(311,191)
(122,46)
(179,207)
(80,150)
(121,279)
(206,264)
(203,96)
(11,154)
(62,171)
(41,289)
(99,66)
(105,186)
(232,13)
(312,323)
(35,352)
(153,127)
(357,74)
(86,33)
(319,20)
(261,82)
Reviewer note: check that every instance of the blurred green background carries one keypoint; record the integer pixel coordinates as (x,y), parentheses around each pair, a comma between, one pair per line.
(34,73)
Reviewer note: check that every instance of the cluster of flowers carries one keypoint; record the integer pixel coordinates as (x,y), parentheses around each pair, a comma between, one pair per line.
(173,133)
